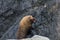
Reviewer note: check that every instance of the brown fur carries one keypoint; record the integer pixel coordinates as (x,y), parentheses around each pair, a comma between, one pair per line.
(24,26)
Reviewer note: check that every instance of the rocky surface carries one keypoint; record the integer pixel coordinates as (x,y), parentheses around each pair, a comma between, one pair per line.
(45,11)
(35,37)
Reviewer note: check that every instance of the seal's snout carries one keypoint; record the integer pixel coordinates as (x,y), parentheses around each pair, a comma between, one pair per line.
(34,19)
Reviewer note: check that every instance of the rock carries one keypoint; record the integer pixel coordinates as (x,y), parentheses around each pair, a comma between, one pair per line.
(35,37)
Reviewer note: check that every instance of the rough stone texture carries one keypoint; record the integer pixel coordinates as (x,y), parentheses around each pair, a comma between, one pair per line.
(35,37)
(45,11)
